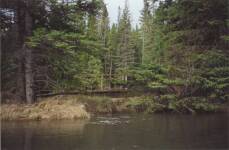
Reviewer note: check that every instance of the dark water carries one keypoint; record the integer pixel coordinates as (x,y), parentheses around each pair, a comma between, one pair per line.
(151,132)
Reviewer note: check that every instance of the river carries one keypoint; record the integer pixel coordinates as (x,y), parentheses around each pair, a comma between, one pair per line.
(120,132)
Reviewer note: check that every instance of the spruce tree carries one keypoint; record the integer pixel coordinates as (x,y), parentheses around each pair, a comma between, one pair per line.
(125,53)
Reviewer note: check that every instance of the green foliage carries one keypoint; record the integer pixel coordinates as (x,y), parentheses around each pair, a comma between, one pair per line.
(74,59)
(180,53)
(170,103)
(90,77)
(183,39)
(209,75)
(81,51)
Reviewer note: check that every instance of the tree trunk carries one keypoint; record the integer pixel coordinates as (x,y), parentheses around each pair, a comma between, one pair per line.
(20,89)
(0,68)
(19,34)
(28,76)
(28,58)
(101,82)
(110,71)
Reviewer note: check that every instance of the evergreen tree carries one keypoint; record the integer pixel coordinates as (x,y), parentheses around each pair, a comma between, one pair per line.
(48,59)
(113,46)
(136,46)
(146,33)
(125,54)
(103,36)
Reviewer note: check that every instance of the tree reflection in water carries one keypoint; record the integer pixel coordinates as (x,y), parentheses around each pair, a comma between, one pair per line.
(140,132)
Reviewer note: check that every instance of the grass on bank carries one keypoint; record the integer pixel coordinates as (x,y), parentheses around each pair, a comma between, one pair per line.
(48,109)
(81,107)
(63,107)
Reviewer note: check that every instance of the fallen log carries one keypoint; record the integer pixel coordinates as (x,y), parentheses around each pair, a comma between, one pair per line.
(94,92)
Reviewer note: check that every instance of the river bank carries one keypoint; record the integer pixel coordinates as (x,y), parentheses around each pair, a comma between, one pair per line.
(82,107)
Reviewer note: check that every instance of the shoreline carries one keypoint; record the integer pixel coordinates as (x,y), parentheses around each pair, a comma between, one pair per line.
(83,107)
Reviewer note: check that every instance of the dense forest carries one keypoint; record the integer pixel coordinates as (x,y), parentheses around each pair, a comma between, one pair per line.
(179,52)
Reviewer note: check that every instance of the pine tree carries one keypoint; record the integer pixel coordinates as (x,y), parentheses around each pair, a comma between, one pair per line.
(146,26)
(125,54)
(104,28)
(136,46)
(113,45)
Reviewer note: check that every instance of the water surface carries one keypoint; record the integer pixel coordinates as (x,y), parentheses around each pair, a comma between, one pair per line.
(124,132)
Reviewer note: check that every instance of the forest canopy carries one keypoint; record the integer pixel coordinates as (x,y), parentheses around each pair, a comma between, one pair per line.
(179,52)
